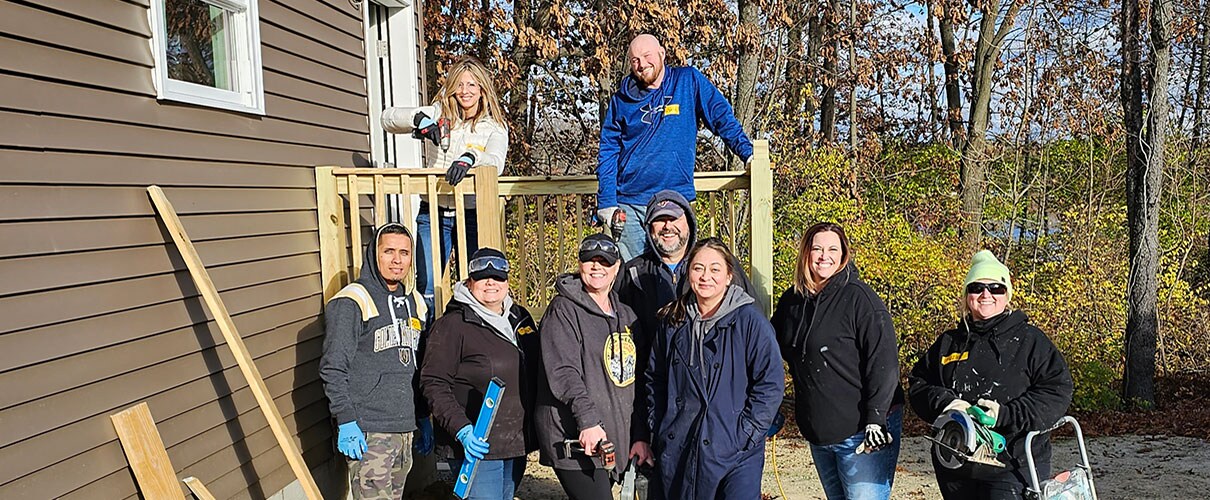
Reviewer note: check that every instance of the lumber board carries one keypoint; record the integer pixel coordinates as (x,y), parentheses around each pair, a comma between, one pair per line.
(215,304)
(199,490)
(145,451)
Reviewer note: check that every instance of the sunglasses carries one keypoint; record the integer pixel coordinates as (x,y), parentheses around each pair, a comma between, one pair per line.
(606,246)
(977,288)
(489,262)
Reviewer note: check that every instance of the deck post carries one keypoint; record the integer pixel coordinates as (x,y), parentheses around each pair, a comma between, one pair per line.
(334,268)
(488,207)
(762,224)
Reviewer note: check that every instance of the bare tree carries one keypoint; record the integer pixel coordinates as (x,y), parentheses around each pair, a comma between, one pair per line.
(1146,131)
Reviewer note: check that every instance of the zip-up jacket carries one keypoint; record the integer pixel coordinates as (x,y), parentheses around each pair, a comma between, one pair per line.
(844,357)
(714,386)
(1004,359)
(463,353)
(591,363)
(373,339)
(649,137)
(487,140)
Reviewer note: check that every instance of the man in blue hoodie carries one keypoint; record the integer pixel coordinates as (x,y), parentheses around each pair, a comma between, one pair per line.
(649,137)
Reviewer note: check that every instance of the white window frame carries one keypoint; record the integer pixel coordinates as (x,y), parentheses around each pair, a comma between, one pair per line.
(245,38)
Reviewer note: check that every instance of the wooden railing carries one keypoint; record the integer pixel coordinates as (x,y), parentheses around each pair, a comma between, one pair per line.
(537,221)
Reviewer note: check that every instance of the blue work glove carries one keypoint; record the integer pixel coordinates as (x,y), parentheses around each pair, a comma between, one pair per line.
(459,168)
(350,440)
(475,448)
(423,440)
(426,128)
(778,421)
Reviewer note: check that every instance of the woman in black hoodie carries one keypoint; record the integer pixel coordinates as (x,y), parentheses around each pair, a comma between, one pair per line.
(590,360)
(837,337)
(996,360)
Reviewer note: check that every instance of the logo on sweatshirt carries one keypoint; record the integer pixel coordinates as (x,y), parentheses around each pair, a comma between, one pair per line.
(619,357)
(952,357)
(649,111)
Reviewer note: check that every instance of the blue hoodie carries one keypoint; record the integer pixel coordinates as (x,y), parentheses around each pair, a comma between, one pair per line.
(649,137)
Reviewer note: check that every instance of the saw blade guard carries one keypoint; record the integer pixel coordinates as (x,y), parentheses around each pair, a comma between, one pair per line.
(955,431)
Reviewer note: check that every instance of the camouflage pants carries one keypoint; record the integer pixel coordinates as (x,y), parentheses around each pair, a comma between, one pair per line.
(383,468)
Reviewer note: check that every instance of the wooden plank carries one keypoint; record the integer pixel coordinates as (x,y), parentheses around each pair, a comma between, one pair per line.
(145,451)
(762,224)
(355,226)
(199,490)
(460,230)
(560,236)
(543,261)
(380,202)
(487,214)
(521,247)
(234,341)
(333,264)
(440,297)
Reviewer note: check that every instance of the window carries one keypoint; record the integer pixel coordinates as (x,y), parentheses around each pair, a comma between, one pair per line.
(207,52)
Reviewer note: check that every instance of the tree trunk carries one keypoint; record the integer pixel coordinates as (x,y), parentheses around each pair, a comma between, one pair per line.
(1144,183)
(813,77)
(973,175)
(953,81)
(749,59)
(1203,84)
(830,77)
(796,79)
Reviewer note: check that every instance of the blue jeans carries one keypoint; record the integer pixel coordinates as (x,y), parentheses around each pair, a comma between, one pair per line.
(634,235)
(494,479)
(448,233)
(847,475)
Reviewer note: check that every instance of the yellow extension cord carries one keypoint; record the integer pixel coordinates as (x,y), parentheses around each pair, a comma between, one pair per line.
(776,471)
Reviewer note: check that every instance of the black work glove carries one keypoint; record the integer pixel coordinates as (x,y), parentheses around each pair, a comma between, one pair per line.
(426,128)
(876,436)
(459,168)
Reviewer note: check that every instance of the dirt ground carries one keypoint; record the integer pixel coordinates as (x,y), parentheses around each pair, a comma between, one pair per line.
(1152,467)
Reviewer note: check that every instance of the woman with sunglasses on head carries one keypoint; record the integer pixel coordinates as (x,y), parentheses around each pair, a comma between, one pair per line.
(837,337)
(475,133)
(483,335)
(590,361)
(996,360)
(714,383)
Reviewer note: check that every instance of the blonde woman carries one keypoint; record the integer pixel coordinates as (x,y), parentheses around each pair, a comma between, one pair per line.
(478,136)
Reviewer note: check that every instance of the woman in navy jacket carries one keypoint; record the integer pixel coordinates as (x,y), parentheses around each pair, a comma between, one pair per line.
(715,382)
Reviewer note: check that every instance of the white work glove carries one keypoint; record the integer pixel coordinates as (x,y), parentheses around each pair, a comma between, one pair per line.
(957,404)
(993,409)
(605,215)
(876,436)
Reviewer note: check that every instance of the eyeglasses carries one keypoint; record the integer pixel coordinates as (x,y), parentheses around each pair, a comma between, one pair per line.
(604,245)
(489,262)
(978,287)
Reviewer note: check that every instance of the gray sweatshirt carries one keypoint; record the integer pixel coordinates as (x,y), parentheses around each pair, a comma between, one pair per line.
(372,341)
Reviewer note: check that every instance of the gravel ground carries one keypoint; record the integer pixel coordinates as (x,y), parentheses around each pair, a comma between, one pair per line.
(1153,467)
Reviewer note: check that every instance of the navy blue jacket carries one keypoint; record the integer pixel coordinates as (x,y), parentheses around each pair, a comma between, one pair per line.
(649,137)
(706,423)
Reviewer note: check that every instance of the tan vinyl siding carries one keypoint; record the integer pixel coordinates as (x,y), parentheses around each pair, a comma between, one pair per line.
(100,311)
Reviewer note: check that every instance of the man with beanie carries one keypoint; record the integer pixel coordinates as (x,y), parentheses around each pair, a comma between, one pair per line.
(649,137)
(996,360)
(374,329)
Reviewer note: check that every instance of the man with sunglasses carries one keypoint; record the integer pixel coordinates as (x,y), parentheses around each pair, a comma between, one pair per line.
(372,343)
(996,360)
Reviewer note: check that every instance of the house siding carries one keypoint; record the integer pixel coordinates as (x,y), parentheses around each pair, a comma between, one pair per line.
(99,309)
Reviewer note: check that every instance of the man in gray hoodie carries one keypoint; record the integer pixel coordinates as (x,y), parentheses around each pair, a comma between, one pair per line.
(374,332)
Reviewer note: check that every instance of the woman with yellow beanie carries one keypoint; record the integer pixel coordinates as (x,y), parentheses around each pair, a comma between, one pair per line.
(996,360)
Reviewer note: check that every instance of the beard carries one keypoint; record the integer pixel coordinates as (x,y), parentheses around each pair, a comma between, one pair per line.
(667,249)
(648,77)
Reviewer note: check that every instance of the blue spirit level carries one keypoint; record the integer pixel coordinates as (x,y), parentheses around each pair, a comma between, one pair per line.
(483,426)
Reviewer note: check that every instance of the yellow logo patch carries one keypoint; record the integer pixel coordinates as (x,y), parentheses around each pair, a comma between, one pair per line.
(957,356)
(476,147)
(525,330)
(672,109)
(416,323)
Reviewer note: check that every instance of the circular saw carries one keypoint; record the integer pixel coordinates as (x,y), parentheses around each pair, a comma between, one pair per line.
(965,436)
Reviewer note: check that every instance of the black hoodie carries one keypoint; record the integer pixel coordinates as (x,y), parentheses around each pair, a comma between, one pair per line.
(372,339)
(843,355)
(1004,359)
(591,363)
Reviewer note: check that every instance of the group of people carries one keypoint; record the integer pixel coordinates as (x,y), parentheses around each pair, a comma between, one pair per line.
(655,346)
